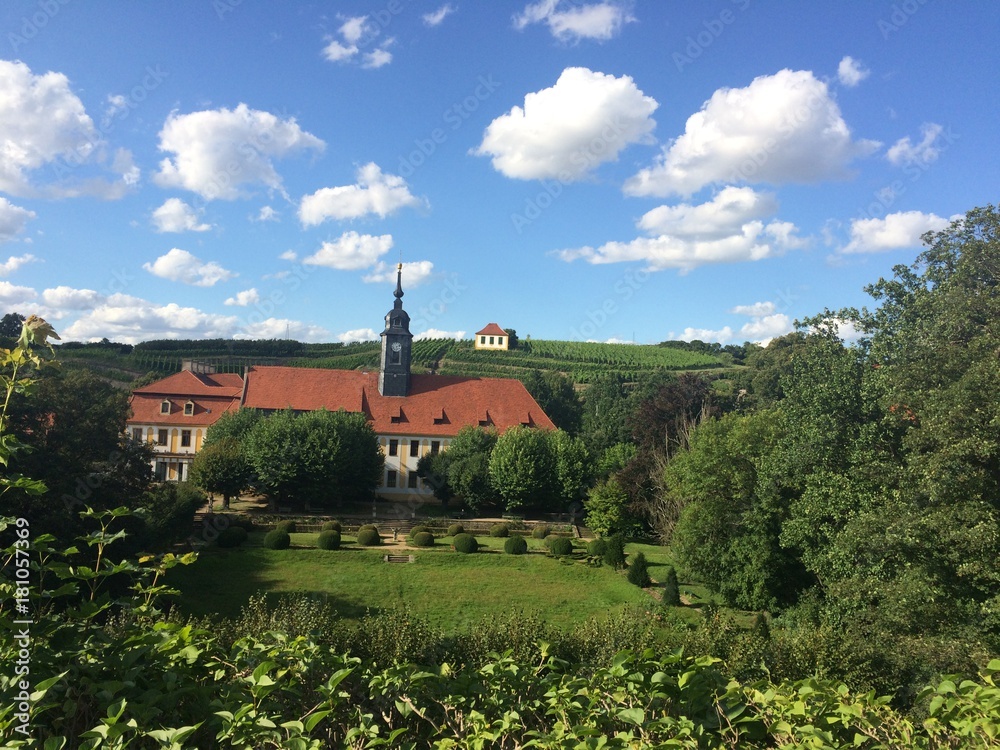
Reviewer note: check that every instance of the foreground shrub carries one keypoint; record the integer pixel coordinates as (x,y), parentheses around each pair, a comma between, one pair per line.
(465,543)
(500,530)
(277,539)
(329,539)
(234,536)
(455,529)
(368,536)
(332,526)
(515,545)
(597,548)
(287,526)
(422,539)
(638,571)
(560,546)
(540,532)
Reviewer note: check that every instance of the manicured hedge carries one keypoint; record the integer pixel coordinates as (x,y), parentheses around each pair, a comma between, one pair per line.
(422,539)
(332,526)
(515,545)
(500,530)
(597,547)
(277,539)
(368,536)
(465,543)
(329,539)
(234,536)
(419,528)
(540,532)
(455,529)
(286,526)
(560,546)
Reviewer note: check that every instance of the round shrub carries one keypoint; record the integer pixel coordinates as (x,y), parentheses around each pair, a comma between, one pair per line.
(418,529)
(560,546)
(371,526)
(455,529)
(597,547)
(500,530)
(234,536)
(287,526)
(332,526)
(422,539)
(672,591)
(540,532)
(277,539)
(515,545)
(329,539)
(368,536)
(465,543)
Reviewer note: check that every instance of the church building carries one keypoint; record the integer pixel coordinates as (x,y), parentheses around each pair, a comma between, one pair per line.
(413,414)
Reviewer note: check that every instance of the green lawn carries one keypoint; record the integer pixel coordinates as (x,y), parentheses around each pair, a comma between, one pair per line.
(448,589)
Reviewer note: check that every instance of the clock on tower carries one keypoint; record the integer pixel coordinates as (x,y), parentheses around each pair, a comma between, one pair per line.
(394,371)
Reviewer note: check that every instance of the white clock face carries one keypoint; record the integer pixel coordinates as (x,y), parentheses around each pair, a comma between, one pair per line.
(396,346)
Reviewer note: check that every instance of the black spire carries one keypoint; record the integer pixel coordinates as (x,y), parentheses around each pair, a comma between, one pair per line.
(394,373)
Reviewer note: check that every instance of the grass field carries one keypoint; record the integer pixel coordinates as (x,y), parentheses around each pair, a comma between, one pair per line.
(451,591)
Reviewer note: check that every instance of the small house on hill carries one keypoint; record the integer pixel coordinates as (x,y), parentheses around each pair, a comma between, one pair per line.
(492,337)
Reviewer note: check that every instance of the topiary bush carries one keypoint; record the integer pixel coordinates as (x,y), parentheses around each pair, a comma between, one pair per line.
(287,526)
(332,526)
(234,536)
(418,529)
(638,571)
(614,552)
(371,526)
(515,545)
(455,529)
(671,589)
(465,543)
(277,539)
(422,539)
(329,539)
(540,532)
(560,546)
(368,536)
(500,530)
(597,548)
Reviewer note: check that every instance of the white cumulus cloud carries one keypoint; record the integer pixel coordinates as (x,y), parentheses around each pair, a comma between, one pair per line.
(437,333)
(218,153)
(14,296)
(573,21)
(568,130)
(904,151)
(351,251)
(244,299)
(728,229)
(358,334)
(782,128)
(896,231)
(415,273)
(63,298)
(850,72)
(434,18)
(177,216)
(356,33)
(765,324)
(13,219)
(374,193)
(180,265)
(14,262)
(128,319)
(282,328)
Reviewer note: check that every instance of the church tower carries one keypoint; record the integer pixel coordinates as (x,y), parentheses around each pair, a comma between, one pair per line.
(394,371)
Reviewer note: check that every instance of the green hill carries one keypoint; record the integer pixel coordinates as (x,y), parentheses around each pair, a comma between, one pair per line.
(581,361)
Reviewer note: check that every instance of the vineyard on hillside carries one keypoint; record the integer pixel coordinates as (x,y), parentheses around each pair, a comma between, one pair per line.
(580,361)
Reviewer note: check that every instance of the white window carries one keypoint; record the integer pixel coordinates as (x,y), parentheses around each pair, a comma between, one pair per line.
(189,408)
(165,407)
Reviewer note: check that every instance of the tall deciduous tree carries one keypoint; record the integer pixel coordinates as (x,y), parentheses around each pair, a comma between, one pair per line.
(557,396)
(523,469)
(222,468)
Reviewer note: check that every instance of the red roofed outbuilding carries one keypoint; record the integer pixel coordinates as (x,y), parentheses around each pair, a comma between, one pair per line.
(492,337)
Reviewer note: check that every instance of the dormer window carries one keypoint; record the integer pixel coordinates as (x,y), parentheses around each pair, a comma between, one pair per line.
(397,322)
(165,407)
(189,409)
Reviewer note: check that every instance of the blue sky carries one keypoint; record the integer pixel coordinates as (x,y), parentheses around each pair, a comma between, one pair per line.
(619,171)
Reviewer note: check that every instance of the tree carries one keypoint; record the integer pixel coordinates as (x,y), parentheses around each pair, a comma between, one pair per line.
(606,411)
(608,510)
(638,571)
(10,326)
(523,469)
(318,458)
(222,467)
(233,424)
(671,589)
(463,469)
(573,466)
(556,395)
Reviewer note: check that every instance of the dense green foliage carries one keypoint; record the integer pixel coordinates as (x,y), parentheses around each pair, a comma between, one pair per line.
(560,546)
(500,530)
(422,539)
(332,526)
(541,531)
(222,467)
(638,571)
(234,536)
(671,588)
(455,529)
(288,526)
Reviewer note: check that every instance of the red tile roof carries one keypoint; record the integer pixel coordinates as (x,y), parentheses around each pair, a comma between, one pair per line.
(437,405)
(212,396)
(492,329)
